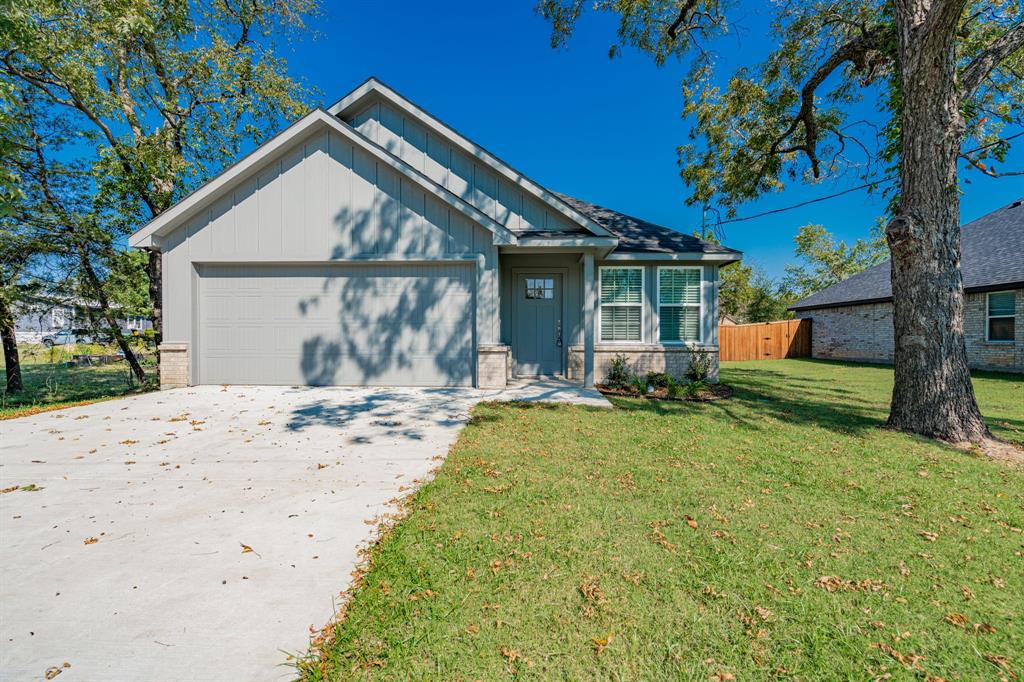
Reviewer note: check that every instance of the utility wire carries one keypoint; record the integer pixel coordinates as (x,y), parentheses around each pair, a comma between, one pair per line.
(866,185)
(810,201)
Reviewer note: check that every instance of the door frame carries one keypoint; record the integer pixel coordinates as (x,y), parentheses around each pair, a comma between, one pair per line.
(563,273)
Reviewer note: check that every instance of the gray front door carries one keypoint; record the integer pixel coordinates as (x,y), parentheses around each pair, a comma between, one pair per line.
(537,343)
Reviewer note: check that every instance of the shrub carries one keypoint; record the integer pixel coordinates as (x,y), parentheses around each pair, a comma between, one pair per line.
(695,388)
(619,374)
(658,379)
(639,384)
(674,388)
(700,365)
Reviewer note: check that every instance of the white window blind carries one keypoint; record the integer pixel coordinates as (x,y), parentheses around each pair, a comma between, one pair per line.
(678,304)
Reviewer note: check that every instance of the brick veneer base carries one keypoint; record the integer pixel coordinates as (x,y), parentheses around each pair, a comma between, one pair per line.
(493,365)
(641,359)
(173,365)
(865,333)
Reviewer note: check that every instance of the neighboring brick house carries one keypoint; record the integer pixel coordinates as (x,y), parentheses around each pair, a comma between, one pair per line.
(852,320)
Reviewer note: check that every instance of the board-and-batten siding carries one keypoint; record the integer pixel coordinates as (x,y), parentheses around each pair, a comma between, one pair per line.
(454,169)
(324,199)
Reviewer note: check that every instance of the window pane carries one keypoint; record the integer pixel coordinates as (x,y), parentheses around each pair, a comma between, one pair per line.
(676,285)
(1000,304)
(620,323)
(1000,329)
(619,285)
(680,324)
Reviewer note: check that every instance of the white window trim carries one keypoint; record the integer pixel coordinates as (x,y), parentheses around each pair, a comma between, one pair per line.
(700,305)
(1000,317)
(642,304)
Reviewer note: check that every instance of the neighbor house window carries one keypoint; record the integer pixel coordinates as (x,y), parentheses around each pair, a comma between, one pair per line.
(678,304)
(1001,316)
(622,300)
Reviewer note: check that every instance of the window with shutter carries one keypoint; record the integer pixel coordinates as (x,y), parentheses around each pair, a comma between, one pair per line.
(679,304)
(621,297)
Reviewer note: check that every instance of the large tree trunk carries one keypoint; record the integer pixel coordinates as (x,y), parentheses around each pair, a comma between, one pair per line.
(12,362)
(933,395)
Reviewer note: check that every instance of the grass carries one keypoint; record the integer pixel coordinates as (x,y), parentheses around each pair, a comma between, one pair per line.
(50,383)
(781,533)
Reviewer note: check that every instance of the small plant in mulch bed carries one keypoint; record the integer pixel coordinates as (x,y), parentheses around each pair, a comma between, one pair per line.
(697,391)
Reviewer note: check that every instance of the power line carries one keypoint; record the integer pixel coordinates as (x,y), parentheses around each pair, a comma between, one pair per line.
(810,201)
(851,189)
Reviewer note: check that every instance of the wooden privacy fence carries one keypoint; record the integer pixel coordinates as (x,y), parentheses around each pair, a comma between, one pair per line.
(765,341)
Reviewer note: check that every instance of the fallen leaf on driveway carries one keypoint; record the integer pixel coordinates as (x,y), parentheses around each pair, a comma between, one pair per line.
(246,549)
(91,541)
(53,671)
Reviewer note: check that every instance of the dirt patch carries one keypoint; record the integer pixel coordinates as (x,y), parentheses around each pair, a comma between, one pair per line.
(996,449)
(707,394)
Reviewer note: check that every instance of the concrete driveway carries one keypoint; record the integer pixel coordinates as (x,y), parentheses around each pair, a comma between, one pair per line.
(129,560)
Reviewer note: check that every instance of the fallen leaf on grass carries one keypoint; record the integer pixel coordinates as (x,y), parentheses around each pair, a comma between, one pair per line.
(929,536)
(984,628)
(690,521)
(957,619)
(601,643)
(833,583)
(909,660)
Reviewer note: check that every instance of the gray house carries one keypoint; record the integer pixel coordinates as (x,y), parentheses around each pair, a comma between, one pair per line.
(853,319)
(371,244)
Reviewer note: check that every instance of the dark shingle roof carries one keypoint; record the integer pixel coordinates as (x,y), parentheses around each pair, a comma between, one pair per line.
(991,255)
(636,235)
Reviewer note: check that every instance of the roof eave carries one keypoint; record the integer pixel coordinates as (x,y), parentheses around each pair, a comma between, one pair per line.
(720,257)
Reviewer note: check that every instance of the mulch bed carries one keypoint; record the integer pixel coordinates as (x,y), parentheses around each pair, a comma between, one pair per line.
(712,392)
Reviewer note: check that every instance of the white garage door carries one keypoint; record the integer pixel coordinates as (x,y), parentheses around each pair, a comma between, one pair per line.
(392,324)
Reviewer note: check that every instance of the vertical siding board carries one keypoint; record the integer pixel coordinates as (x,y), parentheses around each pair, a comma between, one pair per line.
(268,196)
(246,219)
(315,193)
(292,218)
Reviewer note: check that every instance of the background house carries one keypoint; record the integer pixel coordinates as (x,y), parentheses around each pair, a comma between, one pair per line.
(39,317)
(853,319)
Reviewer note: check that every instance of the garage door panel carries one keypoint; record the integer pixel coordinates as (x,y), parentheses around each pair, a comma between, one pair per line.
(380,324)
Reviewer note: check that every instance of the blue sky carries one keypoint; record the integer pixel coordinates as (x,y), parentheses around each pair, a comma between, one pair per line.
(572,119)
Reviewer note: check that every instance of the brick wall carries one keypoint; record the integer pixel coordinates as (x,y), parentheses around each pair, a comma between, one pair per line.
(173,365)
(641,358)
(865,332)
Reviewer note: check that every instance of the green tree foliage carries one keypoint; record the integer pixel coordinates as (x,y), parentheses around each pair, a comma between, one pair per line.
(787,116)
(158,95)
(827,261)
(748,294)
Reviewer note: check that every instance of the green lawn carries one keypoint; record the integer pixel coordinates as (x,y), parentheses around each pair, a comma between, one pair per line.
(50,383)
(781,533)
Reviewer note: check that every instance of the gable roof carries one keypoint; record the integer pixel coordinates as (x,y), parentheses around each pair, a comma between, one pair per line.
(638,236)
(991,257)
(373,87)
(179,213)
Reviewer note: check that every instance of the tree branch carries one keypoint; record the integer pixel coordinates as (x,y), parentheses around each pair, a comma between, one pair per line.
(863,52)
(683,17)
(1002,47)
